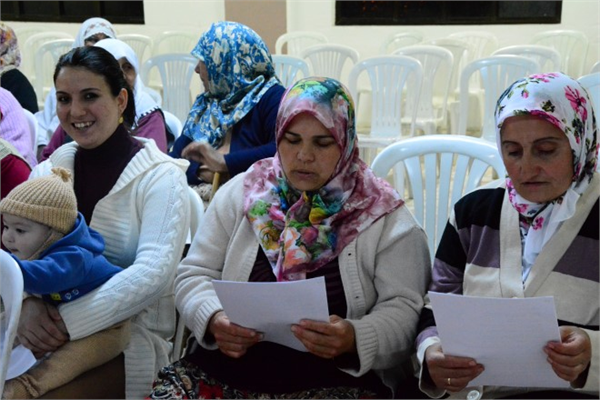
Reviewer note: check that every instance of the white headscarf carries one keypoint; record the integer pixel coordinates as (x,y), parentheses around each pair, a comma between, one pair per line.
(144,104)
(562,101)
(91,27)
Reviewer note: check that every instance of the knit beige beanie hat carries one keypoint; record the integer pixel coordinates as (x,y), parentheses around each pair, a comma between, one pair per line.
(48,200)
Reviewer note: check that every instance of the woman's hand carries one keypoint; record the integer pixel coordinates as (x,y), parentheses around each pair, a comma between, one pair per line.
(326,339)
(41,328)
(205,154)
(233,340)
(449,372)
(570,358)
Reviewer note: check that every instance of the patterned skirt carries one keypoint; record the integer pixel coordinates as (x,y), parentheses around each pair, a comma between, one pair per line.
(184,380)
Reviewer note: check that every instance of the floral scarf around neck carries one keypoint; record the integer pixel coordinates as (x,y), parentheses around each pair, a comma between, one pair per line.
(302,231)
(10,55)
(563,102)
(240,72)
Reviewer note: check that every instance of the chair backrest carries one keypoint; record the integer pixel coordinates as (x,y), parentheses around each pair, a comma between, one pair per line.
(196,213)
(459,49)
(32,122)
(30,48)
(482,43)
(398,40)
(11,292)
(591,83)
(23,34)
(496,74)
(175,126)
(547,57)
(174,42)
(440,169)
(329,59)
(571,44)
(388,78)
(298,41)
(287,68)
(46,57)
(176,71)
(141,44)
(437,64)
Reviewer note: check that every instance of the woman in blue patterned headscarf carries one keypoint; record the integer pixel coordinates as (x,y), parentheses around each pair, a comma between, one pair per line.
(232,124)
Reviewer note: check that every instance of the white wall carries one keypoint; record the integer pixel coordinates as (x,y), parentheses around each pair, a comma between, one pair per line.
(319,15)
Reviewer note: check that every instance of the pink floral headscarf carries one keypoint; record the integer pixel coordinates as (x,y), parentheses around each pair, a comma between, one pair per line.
(10,55)
(563,102)
(300,232)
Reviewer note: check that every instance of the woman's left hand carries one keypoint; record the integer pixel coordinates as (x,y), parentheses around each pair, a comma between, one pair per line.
(205,154)
(571,357)
(326,339)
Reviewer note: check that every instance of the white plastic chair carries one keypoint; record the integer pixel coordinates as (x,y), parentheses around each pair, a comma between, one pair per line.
(591,83)
(154,94)
(329,59)
(572,46)
(175,71)
(29,50)
(547,57)
(437,64)
(287,68)
(175,126)
(388,78)
(595,67)
(46,57)
(23,33)
(398,40)
(496,73)
(482,44)
(440,169)
(141,44)
(196,213)
(297,41)
(177,41)
(11,292)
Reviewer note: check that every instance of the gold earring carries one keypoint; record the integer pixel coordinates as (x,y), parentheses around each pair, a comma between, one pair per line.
(121,119)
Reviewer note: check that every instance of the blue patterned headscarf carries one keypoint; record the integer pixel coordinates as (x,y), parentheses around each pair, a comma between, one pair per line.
(240,72)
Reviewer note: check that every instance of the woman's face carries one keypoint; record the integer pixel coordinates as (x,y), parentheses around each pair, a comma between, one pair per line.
(128,71)
(85,106)
(203,72)
(308,153)
(537,156)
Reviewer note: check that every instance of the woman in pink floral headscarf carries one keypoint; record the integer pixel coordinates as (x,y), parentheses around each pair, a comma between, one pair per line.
(534,233)
(315,210)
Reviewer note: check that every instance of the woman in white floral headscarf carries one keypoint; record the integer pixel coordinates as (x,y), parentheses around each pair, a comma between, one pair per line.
(533,234)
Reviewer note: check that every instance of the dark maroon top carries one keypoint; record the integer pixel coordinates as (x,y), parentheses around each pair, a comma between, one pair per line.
(97,170)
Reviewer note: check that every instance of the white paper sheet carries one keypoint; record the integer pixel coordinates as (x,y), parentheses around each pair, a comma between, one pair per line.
(272,307)
(506,335)
(21,359)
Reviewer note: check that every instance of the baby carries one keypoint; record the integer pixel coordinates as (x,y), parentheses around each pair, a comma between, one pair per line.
(61,260)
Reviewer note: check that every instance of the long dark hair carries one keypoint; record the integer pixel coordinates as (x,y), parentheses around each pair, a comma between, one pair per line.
(100,62)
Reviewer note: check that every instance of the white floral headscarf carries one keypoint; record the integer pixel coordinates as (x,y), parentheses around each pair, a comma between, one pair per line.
(562,101)
(93,26)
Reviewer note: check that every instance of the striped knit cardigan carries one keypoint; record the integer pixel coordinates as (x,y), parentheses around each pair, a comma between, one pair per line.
(480,255)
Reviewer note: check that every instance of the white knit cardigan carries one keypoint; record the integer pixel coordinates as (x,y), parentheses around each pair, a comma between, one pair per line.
(384,271)
(144,221)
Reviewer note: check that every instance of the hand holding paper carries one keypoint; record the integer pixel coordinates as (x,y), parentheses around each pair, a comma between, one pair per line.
(272,308)
(506,336)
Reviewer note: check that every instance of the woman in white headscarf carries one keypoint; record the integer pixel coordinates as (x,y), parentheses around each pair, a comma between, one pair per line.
(533,234)
(91,31)
(149,121)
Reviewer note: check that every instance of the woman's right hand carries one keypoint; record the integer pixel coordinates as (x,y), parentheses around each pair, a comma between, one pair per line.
(233,340)
(41,328)
(450,373)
